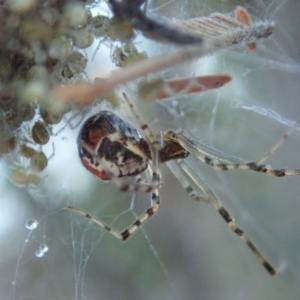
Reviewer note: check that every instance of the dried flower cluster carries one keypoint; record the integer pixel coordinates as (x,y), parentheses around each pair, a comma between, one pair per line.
(39,50)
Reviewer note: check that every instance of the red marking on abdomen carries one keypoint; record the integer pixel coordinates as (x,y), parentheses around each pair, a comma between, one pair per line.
(99,173)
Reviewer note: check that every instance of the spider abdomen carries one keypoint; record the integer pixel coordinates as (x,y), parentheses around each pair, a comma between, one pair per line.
(110,147)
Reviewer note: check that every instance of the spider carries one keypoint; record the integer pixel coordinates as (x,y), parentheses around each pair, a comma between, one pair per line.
(112,149)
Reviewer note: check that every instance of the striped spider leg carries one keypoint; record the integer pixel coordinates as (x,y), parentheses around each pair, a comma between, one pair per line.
(112,149)
(229,163)
(221,161)
(185,174)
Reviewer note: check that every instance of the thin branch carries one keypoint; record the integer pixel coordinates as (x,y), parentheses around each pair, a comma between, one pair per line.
(82,93)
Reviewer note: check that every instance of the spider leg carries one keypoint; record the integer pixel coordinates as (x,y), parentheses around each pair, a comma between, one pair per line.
(231,163)
(138,186)
(183,179)
(183,170)
(155,141)
(145,128)
(125,234)
(278,143)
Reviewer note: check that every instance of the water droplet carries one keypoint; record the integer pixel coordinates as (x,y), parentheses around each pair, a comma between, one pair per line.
(39,253)
(43,248)
(31,224)
(64,139)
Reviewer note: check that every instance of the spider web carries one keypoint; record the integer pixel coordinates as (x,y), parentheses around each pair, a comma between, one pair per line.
(186,251)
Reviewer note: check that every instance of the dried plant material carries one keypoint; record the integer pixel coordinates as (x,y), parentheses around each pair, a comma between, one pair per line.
(181,32)
(227,34)
(243,16)
(7,145)
(20,177)
(158,89)
(83,93)
(165,32)
(126,55)
(219,25)
(131,12)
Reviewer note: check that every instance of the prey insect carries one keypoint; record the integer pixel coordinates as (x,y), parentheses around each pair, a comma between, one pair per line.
(112,149)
